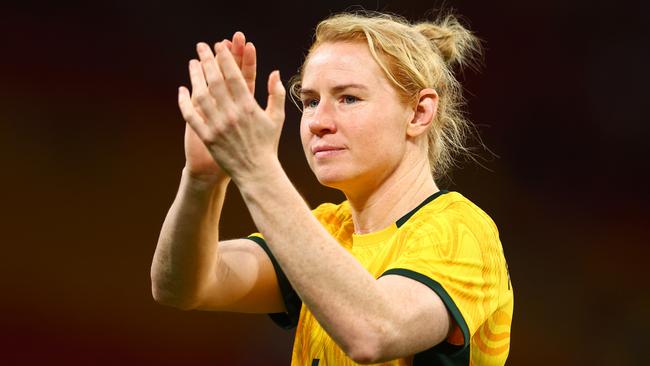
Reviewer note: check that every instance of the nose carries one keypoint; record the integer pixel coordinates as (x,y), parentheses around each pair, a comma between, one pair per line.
(322,121)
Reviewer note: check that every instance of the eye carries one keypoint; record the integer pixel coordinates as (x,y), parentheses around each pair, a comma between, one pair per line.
(310,103)
(349,99)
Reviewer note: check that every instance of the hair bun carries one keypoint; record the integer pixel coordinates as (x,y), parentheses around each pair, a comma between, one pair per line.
(455,43)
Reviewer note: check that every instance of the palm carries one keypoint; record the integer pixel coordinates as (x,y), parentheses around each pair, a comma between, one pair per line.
(198,158)
(199,161)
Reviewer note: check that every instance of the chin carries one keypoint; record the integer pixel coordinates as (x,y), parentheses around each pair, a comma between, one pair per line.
(334,179)
(329,181)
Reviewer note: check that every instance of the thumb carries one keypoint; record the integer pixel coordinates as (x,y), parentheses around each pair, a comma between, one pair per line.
(277,94)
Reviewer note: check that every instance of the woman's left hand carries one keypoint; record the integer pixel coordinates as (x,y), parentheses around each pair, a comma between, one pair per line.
(239,134)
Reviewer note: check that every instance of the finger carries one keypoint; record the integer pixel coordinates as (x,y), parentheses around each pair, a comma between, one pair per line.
(226,42)
(232,76)
(249,66)
(208,63)
(237,50)
(196,78)
(190,115)
(277,94)
(200,94)
(212,73)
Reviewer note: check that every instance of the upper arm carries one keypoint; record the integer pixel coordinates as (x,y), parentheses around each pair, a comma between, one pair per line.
(420,318)
(244,280)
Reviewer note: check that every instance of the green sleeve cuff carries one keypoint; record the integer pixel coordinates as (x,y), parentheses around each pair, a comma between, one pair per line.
(446,299)
(292,302)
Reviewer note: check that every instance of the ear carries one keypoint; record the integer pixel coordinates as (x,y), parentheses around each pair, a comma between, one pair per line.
(425,111)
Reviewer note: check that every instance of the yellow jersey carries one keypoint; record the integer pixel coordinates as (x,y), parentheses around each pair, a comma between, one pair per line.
(448,244)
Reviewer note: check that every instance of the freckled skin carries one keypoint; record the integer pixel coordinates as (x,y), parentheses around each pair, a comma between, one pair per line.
(359,138)
(368,122)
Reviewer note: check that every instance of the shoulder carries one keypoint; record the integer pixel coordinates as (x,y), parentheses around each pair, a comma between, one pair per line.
(450,212)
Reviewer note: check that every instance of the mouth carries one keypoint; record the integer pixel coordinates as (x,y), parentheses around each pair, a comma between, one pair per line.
(326,151)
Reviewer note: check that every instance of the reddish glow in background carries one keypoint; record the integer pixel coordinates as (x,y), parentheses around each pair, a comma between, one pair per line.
(91,153)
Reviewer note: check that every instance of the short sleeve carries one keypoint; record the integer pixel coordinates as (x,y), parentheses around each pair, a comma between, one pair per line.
(330,217)
(292,301)
(458,256)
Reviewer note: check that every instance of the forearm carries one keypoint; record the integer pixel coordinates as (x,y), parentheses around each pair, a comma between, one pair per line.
(340,293)
(186,253)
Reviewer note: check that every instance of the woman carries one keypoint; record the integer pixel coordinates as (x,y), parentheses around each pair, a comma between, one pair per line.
(401,272)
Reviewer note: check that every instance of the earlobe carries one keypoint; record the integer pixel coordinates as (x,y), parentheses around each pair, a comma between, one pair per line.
(425,111)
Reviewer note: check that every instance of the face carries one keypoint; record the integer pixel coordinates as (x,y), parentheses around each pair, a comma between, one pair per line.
(353,126)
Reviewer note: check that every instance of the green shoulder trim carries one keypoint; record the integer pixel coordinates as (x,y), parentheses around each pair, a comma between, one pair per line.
(444,353)
(405,218)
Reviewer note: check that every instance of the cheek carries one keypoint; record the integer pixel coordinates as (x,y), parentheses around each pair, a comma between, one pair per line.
(385,139)
(303,132)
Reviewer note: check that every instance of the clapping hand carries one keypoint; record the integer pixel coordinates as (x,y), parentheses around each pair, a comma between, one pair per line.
(228,133)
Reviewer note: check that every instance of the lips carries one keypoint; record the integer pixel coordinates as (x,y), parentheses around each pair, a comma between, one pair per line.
(325,150)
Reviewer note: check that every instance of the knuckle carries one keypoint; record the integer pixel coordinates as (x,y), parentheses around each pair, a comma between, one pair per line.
(187,115)
(213,87)
(216,131)
(231,117)
(249,107)
(200,96)
(210,138)
(231,78)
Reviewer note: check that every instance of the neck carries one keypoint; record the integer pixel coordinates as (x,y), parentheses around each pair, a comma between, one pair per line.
(378,207)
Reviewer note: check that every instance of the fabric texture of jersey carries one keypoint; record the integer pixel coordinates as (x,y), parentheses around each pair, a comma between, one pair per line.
(448,244)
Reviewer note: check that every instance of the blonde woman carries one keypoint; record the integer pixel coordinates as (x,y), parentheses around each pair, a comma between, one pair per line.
(401,272)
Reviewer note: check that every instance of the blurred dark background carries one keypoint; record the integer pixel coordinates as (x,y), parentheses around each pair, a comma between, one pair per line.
(91,154)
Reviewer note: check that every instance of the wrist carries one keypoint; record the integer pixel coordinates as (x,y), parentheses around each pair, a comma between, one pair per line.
(264,175)
(204,181)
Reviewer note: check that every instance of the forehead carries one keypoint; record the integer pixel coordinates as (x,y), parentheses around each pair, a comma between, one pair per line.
(342,62)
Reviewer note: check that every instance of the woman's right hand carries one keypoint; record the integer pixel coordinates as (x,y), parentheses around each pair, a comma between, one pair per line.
(198,161)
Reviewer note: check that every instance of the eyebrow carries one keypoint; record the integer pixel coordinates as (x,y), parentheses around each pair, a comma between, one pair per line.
(335,89)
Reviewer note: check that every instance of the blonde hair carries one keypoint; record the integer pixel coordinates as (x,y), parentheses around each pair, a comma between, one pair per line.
(414,56)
